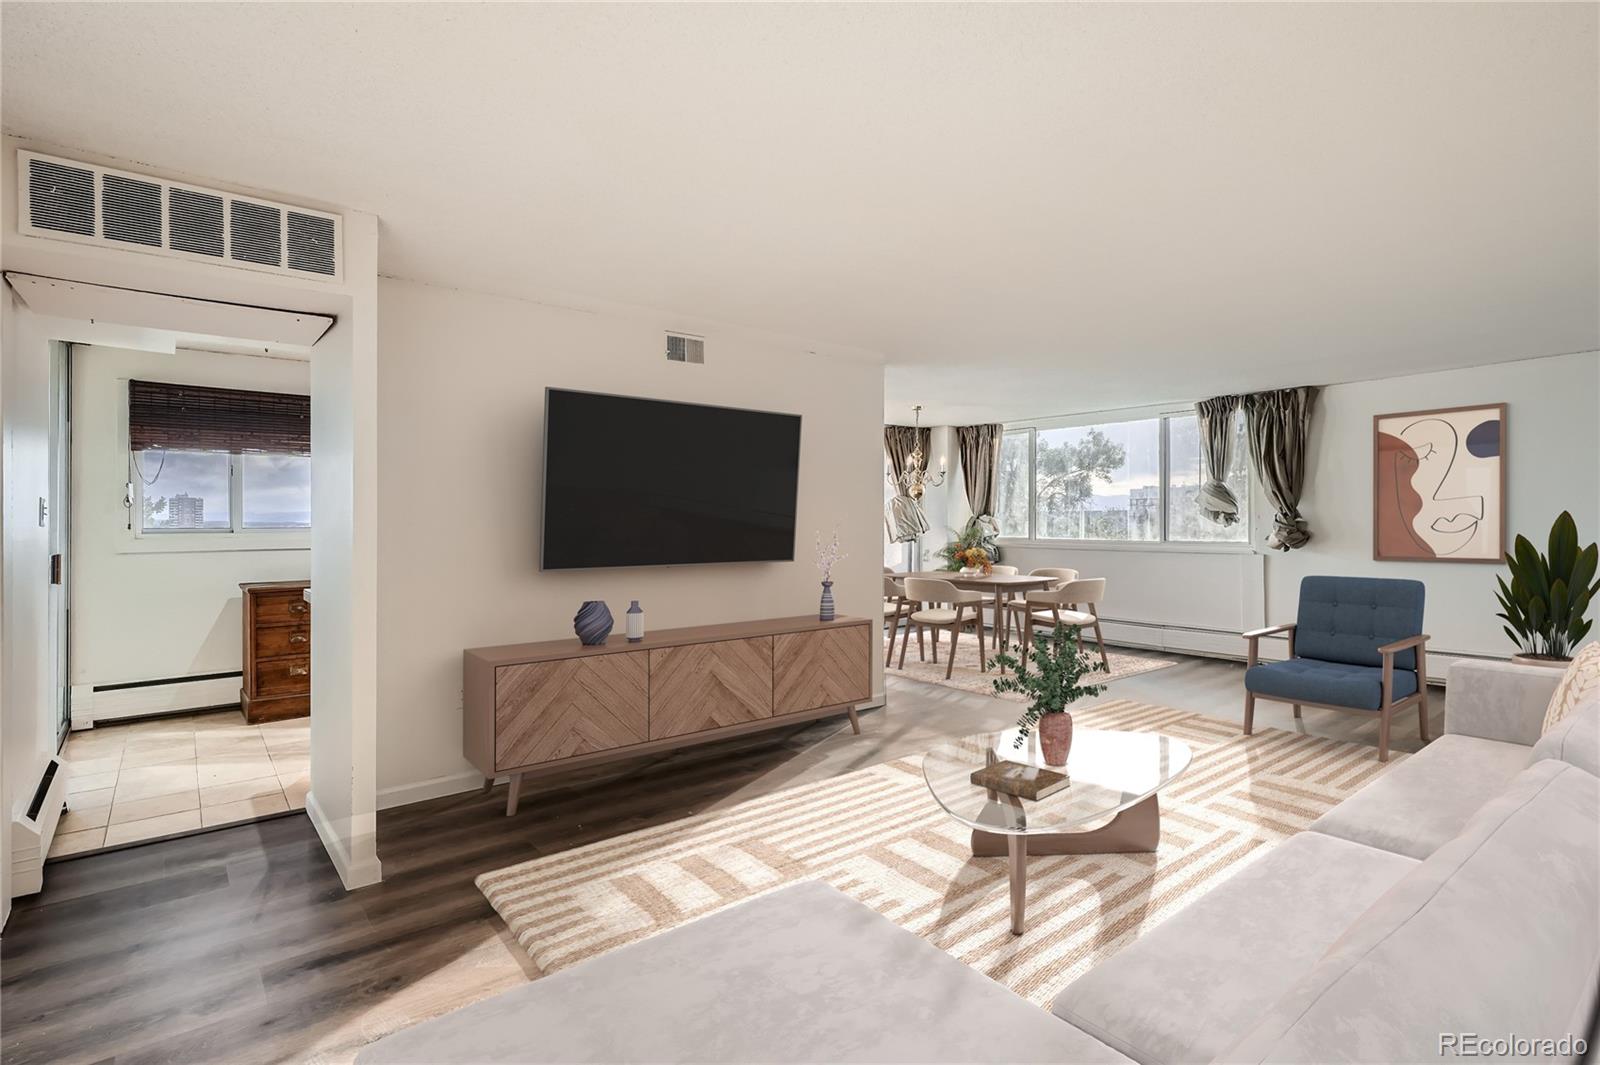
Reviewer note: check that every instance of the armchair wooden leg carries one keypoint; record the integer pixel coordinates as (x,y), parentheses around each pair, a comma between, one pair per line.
(1383,733)
(1297,711)
(1422,717)
(1422,692)
(1249,712)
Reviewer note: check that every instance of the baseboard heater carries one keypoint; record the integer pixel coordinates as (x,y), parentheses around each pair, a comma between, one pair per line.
(1218,643)
(32,832)
(100,703)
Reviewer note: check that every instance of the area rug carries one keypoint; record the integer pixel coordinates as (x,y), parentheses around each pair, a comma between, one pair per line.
(968,678)
(877,835)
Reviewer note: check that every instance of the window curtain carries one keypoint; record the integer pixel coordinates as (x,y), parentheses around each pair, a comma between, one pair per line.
(979,446)
(903,519)
(898,443)
(1217,501)
(1279,425)
(194,418)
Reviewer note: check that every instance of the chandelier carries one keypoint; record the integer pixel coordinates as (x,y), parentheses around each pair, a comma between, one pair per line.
(915,477)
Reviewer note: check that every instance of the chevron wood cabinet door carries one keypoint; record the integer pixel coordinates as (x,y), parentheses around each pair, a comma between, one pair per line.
(822,667)
(546,711)
(709,685)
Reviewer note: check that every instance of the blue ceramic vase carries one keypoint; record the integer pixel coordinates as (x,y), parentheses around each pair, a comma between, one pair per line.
(592,623)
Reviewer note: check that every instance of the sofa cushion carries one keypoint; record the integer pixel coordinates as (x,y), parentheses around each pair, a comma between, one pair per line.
(1580,683)
(802,974)
(1498,932)
(1346,619)
(1307,680)
(1185,991)
(1576,737)
(1423,803)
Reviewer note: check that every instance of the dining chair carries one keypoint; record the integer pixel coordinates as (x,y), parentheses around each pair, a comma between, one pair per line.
(896,608)
(1004,571)
(1049,607)
(939,605)
(1060,573)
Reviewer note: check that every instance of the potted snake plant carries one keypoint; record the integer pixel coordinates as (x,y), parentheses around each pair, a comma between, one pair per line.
(1544,604)
(1050,672)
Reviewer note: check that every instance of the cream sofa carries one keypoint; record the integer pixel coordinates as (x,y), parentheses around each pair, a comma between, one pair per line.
(1457,898)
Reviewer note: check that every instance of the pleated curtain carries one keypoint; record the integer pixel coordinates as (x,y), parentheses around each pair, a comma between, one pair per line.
(979,447)
(1279,425)
(1217,500)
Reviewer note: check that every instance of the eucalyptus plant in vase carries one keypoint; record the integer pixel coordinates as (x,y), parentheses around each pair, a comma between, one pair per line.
(1050,672)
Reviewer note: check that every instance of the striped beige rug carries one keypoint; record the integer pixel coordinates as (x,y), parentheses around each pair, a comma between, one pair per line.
(968,678)
(877,835)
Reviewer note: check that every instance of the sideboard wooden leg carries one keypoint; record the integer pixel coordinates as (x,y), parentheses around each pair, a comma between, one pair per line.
(488,785)
(855,722)
(512,789)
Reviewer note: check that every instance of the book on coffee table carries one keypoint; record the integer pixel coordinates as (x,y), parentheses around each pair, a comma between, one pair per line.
(1020,779)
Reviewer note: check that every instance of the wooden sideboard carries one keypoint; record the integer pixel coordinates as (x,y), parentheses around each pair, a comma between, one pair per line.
(277,651)
(539,707)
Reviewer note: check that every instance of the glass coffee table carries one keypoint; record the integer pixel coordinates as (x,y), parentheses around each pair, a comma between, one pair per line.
(1114,775)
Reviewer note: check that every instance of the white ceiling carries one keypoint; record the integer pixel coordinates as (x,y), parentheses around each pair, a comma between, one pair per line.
(1026,209)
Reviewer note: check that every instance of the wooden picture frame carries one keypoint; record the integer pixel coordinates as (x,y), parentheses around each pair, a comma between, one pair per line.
(1439,485)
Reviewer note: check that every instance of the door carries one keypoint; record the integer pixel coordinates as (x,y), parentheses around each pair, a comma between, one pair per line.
(57,516)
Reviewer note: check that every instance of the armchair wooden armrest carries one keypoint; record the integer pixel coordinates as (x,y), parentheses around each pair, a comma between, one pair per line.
(1253,637)
(1389,650)
(1401,645)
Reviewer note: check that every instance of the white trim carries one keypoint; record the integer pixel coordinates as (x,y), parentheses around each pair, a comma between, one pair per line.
(432,788)
(352,875)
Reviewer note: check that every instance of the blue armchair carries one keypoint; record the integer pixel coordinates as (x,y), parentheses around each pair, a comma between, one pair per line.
(1357,645)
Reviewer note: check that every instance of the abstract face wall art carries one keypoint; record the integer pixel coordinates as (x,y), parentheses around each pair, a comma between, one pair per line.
(1439,487)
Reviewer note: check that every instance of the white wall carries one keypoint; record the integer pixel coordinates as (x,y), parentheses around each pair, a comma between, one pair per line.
(141,611)
(461,389)
(1553,450)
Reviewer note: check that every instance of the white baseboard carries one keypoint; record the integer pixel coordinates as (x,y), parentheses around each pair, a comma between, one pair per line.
(352,874)
(432,788)
(90,707)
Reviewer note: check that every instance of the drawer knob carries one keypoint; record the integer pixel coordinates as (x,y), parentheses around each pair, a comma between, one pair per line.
(297,608)
(299,671)
(298,637)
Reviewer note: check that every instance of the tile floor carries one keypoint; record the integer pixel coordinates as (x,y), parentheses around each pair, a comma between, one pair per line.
(164,776)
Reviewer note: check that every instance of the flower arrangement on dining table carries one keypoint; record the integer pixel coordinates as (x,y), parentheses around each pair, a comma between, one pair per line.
(974,558)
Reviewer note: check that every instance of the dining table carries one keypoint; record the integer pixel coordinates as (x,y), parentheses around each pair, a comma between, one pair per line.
(1002,586)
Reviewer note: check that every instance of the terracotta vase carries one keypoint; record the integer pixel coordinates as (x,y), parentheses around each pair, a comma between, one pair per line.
(1055,737)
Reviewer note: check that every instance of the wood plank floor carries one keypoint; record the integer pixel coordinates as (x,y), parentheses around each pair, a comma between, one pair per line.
(240,945)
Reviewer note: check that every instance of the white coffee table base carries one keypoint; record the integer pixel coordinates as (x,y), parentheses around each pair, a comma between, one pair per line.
(1134,830)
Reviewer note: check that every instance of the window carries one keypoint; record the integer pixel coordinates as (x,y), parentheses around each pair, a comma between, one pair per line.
(186,490)
(1134,481)
(219,491)
(1099,482)
(219,460)
(1012,488)
(276,491)
(1185,520)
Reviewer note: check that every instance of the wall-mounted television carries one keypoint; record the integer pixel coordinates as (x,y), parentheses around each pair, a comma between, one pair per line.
(643,482)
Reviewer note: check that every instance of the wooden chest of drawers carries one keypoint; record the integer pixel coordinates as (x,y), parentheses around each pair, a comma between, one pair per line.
(277,651)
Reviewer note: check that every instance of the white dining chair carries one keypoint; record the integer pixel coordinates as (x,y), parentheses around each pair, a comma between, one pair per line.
(896,608)
(1047,608)
(939,605)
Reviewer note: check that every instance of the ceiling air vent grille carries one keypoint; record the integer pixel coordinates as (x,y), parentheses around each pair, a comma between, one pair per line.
(61,197)
(194,221)
(682,347)
(84,203)
(311,243)
(130,210)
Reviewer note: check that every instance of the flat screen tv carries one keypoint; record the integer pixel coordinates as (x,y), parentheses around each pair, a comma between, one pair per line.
(642,482)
